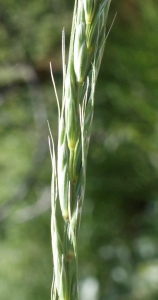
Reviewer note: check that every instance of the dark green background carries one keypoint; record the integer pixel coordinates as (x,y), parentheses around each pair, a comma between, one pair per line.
(118,240)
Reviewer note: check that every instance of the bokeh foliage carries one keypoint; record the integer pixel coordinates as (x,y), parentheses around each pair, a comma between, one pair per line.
(118,244)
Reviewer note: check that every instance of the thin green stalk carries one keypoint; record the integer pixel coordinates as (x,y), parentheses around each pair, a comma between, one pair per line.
(75,120)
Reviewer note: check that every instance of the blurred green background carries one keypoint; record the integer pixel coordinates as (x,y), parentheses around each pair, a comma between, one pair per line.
(118,241)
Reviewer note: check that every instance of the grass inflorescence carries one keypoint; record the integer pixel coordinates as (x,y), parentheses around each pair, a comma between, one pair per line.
(87,43)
